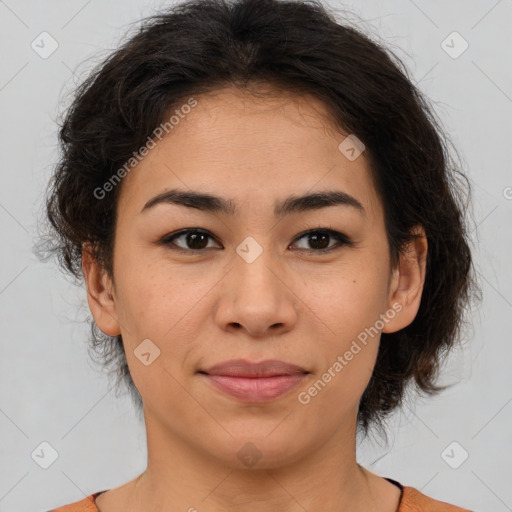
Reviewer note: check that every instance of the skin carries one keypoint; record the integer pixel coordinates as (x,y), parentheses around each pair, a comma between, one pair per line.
(300,307)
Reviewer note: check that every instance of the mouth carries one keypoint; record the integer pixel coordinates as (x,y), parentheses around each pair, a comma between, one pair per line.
(254,382)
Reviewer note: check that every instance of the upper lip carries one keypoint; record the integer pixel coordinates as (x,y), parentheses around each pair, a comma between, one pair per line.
(243,368)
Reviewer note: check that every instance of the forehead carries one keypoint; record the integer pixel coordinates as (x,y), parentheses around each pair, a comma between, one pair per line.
(250,148)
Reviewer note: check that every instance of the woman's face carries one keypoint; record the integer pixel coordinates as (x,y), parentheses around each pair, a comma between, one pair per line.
(255,287)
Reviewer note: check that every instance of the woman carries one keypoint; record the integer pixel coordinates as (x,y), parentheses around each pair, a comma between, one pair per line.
(333,269)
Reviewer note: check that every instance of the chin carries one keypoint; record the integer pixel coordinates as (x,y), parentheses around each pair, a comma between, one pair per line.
(262,451)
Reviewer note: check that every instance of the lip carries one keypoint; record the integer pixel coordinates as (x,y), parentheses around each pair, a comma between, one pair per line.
(247,369)
(254,382)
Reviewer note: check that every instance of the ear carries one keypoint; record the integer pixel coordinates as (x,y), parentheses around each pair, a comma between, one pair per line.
(407,282)
(99,293)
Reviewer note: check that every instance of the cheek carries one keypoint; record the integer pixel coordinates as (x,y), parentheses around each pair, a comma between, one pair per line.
(149,296)
(155,311)
(351,296)
(158,303)
(350,347)
(349,302)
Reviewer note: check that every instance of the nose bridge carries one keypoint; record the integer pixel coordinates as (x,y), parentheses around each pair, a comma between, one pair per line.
(254,297)
(256,265)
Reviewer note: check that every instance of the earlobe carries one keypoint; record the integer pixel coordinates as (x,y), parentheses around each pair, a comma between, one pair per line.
(99,293)
(407,282)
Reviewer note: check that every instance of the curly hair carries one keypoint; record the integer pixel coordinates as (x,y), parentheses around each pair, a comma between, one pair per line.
(199,46)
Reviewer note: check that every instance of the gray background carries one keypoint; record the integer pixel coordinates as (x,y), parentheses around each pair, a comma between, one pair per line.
(52,392)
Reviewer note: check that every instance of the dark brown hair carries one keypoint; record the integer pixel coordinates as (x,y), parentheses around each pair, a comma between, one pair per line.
(202,45)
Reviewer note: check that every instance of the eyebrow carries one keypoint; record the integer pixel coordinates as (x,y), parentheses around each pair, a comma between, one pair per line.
(292,204)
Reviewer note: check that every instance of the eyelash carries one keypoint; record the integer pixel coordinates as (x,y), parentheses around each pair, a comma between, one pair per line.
(342,239)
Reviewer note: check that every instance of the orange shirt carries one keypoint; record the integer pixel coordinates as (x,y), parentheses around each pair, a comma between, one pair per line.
(412,500)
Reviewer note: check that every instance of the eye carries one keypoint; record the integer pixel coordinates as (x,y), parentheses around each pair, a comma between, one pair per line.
(319,239)
(196,240)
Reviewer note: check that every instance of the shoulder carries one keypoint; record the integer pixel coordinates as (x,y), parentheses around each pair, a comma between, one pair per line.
(86,505)
(414,501)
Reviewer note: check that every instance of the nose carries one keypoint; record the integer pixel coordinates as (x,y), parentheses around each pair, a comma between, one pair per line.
(258,296)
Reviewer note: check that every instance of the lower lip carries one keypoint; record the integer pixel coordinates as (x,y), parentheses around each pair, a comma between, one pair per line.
(260,389)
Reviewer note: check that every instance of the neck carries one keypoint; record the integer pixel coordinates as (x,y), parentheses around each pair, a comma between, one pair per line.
(325,478)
